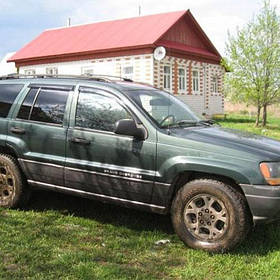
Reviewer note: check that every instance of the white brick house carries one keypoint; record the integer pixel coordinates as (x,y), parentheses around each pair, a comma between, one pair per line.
(191,68)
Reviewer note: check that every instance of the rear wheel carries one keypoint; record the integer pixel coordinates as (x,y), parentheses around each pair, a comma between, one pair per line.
(210,215)
(13,189)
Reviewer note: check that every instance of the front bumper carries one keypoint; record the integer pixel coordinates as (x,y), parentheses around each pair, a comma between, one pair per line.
(263,201)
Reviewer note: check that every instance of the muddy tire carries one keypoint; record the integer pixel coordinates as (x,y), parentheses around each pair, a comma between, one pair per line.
(14,191)
(210,215)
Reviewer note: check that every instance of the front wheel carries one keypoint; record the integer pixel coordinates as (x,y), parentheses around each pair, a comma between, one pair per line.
(210,215)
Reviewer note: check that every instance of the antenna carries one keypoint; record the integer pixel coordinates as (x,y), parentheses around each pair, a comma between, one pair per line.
(69,22)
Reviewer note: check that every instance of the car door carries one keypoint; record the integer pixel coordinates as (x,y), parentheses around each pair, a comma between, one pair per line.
(101,162)
(38,131)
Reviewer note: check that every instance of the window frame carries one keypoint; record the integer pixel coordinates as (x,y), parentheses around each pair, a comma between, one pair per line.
(26,72)
(130,75)
(165,75)
(50,88)
(55,69)
(182,90)
(107,94)
(214,85)
(85,68)
(197,78)
(11,109)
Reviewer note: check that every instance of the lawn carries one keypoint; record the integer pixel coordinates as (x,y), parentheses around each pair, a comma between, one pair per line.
(65,237)
(247,123)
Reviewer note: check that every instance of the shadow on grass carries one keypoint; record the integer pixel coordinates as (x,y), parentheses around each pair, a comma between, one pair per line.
(261,241)
(236,120)
(101,212)
(271,127)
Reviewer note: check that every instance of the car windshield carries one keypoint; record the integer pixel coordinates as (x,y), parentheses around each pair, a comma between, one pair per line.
(163,108)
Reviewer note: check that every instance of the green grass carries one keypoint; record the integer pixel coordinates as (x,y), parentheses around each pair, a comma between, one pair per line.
(247,123)
(65,237)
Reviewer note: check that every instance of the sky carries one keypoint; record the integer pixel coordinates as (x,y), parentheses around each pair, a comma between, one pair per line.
(21,21)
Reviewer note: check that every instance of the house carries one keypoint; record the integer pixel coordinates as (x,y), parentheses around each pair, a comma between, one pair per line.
(186,64)
(5,67)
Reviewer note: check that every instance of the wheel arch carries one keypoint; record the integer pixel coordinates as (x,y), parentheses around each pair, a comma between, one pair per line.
(186,176)
(9,150)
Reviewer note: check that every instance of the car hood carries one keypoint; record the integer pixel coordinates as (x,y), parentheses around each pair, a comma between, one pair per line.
(266,148)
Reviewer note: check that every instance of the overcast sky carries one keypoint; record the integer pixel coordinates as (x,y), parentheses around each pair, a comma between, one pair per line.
(21,21)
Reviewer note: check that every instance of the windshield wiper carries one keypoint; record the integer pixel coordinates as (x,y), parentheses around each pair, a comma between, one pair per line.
(208,122)
(189,123)
(181,123)
(186,122)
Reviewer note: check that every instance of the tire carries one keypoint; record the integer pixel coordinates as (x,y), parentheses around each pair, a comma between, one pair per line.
(210,215)
(14,191)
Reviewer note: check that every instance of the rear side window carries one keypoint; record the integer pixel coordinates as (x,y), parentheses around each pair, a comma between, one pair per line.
(8,94)
(26,106)
(44,105)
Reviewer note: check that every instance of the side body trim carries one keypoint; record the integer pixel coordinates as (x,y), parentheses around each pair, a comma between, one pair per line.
(93,172)
(41,163)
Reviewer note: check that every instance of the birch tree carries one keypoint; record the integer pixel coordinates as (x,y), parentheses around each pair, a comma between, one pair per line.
(254,57)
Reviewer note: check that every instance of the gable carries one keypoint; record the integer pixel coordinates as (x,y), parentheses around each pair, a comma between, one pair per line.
(186,33)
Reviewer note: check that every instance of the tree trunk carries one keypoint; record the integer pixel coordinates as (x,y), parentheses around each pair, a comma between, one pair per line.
(258,115)
(264,120)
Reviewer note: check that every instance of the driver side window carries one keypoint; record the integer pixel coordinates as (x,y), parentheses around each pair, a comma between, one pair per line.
(98,112)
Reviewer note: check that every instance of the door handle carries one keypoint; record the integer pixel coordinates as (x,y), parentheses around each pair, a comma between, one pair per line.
(17,130)
(81,141)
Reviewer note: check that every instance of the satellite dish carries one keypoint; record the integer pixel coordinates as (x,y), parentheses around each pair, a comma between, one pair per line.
(159,53)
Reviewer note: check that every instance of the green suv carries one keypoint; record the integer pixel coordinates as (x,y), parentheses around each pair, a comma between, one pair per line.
(136,146)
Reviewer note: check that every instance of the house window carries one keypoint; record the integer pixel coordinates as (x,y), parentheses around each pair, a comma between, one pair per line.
(88,70)
(128,72)
(214,84)
(182,80)
(51,71)
(195,81)
(29,72)
(167,77)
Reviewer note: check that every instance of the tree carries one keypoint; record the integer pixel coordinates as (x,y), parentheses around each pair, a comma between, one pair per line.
(254,57)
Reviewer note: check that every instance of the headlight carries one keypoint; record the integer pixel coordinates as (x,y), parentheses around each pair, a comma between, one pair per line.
(271,172)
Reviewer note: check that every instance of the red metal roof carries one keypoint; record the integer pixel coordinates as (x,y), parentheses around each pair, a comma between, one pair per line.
(108,35)
(110,38)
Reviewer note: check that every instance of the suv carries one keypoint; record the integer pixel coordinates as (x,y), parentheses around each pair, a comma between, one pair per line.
(136,146)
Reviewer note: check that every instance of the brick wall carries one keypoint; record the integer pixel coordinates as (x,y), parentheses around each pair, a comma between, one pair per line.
(202,101)
(148,70)
(142,67)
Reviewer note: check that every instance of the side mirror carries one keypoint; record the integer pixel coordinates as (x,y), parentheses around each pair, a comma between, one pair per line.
(129,127)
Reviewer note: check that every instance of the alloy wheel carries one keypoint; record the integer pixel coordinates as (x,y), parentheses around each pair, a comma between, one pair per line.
(206,217)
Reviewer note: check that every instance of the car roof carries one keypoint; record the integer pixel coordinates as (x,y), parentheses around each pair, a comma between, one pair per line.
(122,85)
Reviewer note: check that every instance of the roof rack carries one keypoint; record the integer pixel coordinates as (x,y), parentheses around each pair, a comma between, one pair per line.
(88,77)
